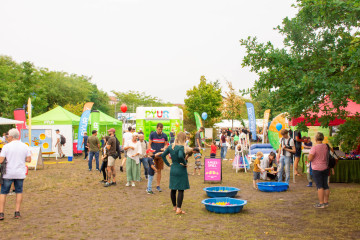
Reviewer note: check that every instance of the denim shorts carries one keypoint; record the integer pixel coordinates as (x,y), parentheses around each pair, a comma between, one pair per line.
(18,183)
(256,176)
(321,178)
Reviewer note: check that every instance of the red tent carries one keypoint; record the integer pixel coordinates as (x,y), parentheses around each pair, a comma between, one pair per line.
(352,108)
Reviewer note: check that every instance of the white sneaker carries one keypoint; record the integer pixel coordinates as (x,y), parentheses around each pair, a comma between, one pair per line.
(127,184)
(225,159)
(133,184)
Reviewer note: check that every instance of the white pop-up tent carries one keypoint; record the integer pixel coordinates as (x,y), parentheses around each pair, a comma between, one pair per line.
(6,121)
(58,118)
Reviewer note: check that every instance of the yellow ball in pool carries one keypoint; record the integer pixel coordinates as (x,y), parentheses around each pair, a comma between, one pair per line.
(45,145)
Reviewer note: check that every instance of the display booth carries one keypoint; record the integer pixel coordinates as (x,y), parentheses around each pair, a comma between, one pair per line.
(105,122)
(346,170)
(148,117)
(58,118)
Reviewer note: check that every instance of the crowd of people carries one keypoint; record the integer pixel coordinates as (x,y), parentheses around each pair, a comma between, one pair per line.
(153,156)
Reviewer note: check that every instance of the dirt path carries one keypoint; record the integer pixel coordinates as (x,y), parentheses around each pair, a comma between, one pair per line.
(65,201)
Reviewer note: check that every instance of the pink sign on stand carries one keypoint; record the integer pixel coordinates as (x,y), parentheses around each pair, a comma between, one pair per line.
(213,170)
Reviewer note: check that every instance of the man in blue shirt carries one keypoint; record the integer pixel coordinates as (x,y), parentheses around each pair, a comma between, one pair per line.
(158,141)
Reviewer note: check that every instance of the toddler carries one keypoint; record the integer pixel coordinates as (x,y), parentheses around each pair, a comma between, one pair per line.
(257,169)
(197,156)
(151,171)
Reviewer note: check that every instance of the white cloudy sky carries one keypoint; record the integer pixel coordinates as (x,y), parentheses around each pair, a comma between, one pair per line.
(161,47)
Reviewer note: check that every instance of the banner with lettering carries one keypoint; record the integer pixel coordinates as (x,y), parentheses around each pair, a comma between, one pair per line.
(212,170)
(265,123)
(252,119)
(84,120)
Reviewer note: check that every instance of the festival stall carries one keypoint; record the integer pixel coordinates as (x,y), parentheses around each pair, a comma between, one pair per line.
(58,118)
(347,168)
(6,121)
(105,123)
(148,117)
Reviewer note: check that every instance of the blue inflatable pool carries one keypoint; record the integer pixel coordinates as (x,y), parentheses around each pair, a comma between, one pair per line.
(264,148)
(235,205)
(272,186)
(214,192)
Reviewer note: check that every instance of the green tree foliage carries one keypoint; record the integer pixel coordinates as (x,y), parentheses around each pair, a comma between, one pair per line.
(233,105)
(350,137)
(19,81)
(205,97)
(135,99)
(76,109)
(320,60)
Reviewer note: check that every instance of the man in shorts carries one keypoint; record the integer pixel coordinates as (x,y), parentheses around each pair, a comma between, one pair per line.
(158,141)
(112,155)
(16,154)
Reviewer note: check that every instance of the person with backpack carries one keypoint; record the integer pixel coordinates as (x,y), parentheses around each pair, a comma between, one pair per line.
(321,163)
(60,142)
(286,149)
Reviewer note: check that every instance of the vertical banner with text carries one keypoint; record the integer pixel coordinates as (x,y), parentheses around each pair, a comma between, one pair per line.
(84,120)
(266,122)
(95,121)
(252,119)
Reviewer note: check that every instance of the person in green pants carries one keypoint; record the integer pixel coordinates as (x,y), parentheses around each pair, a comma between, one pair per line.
(179,180)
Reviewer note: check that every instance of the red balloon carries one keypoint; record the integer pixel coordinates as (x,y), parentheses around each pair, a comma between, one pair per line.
(123,108)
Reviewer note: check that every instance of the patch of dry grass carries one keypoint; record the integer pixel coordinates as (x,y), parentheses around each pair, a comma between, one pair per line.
(65,201)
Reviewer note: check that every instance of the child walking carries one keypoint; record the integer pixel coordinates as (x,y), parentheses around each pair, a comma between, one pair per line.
(309,173)
(257,169)
(197,156)
(152,170)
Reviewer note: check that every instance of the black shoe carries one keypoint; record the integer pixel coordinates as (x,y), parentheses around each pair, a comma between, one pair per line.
(1,216)
(17,215)
(113,183)
(121,169)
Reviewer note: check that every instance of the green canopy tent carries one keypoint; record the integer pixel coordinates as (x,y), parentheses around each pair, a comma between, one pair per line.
(62,119)
(106,122)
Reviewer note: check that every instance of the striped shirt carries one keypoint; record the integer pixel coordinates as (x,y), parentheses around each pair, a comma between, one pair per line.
(158,141)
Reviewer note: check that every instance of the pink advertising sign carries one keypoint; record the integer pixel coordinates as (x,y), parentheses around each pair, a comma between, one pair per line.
(213,170)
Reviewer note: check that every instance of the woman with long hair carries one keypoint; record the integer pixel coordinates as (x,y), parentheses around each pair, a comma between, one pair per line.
(179,180)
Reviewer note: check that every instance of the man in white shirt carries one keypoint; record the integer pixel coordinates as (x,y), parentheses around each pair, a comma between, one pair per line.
(287,147)
(58,144)
(127,136)
(16,154)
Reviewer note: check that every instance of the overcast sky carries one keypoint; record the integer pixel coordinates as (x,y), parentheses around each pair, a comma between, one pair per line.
(161,47)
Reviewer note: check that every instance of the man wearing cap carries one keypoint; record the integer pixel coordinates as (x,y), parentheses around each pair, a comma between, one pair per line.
(93,144)
(112,155)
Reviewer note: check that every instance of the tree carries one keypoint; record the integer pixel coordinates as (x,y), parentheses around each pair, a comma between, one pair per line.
(205,97)
(319,61)
(233,105)
(19,81)
(76,109)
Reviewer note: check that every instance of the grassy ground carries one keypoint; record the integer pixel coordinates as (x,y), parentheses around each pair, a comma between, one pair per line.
(65,201)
